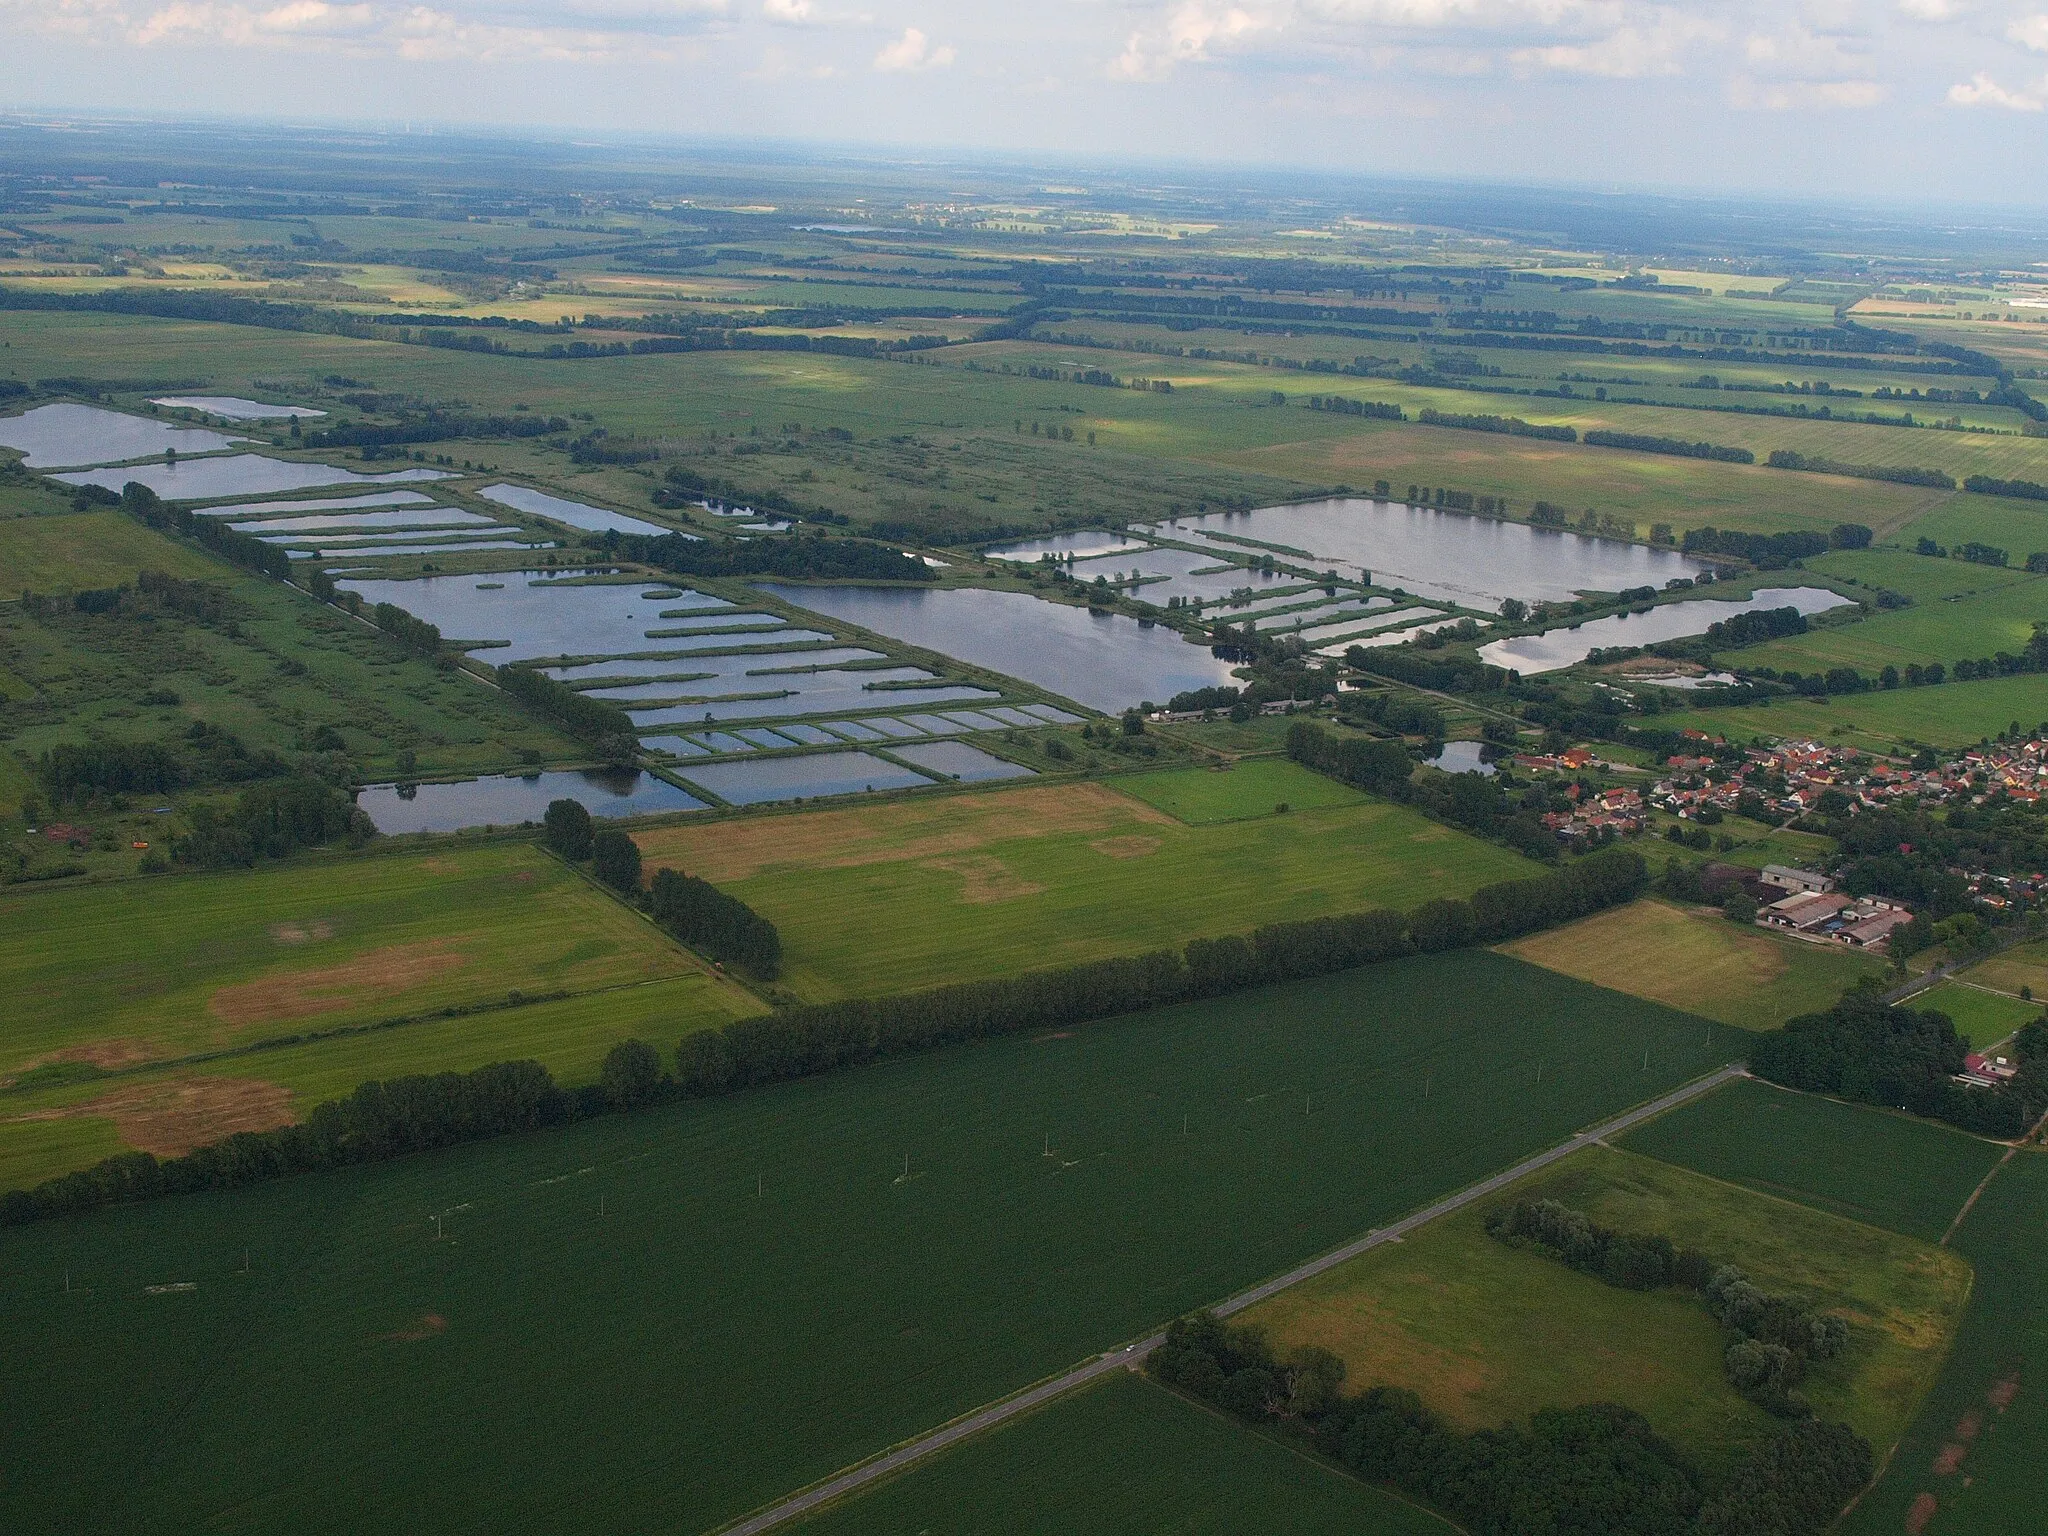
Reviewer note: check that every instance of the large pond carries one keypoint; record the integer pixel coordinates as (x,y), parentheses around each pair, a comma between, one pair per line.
(1477,561)
(240,474)
(350,522)
(1108,661)
(799,778)
(506,801)
(958,760)
(321,504)
(815,693)
(53,436)
(572,514)
(1189,575)
(1556,648)
(235,408)
(536,615)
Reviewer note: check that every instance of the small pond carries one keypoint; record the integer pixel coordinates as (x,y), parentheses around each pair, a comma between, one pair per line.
(321,504)
(1476,561)
(234,408)
(1080,545)
(815,694)
(958,760)
(1461,757)
(240,474)
(504,800)
(54,436)
(798,778)
(573,514)
(445,547)
(339,522)
(1108,661)
(1556,648)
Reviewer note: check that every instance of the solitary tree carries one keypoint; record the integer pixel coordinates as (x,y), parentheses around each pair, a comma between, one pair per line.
(568,829)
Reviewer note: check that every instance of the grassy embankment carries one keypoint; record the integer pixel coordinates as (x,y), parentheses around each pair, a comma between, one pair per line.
(884,1248)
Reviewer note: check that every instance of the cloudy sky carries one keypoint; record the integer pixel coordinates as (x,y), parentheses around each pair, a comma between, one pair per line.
(1871,98)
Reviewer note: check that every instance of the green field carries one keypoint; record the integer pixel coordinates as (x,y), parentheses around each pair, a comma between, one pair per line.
(1999,616)
(1485,1333)
(1243,792)
(2024,965)
(70,552)
(1124,1458)
(1695,959)
(1888,1170)
(1982,1018)
(1971,1462)
(53,1130)
(1061,1194)
(893,897)
(1952,715)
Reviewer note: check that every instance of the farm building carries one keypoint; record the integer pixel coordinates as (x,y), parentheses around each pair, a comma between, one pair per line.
(1786,878)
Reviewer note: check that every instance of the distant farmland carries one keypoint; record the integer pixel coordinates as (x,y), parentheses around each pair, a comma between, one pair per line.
(893,897)
(782,1282)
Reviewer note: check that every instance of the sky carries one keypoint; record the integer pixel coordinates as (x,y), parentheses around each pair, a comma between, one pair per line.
(1876,99)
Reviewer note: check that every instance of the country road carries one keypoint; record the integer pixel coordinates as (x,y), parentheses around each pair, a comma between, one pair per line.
(1131,1354)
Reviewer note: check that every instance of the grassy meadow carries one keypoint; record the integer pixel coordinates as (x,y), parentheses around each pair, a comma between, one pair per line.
(1695,959)
(1242,792)
(75,551)
(2024,965)
(883,1249)
(1952,715)
(873,899)
(1981,1017)
(1868,1165)
(1124,1457)
(1485,1333)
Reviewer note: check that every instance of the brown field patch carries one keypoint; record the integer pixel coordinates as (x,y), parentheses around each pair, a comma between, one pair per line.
(984,879)
(2003,1392)
(1922,1511)
(171,1117)
(302,933)
(1947,1459)
(1126,847)
(299,994)
(430,1325)
(901,832)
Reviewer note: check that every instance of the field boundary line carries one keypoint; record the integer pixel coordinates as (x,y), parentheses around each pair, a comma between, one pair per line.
(1133,1354)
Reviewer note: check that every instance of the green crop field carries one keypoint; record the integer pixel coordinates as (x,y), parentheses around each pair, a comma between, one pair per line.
(1998,616)
(1920,577)
(1124,1458)
(1952,715)
(782,1282)
(138,970)
(893,897)
(1486,1333)
(1981,1017)
(1971,1462)
(2018,527)
(1695,959)
(1872,1166)
(1243,792)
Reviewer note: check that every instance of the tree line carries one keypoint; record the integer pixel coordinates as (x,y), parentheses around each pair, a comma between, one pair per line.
(72,773)
(722,926)
(1595,1470)
(139,501)
(1464,799)
(1645,442)
(433,425)
(595,721)
(1866,1052)
(2025,490)
(1513,426)
(1785,458)
(1775,1337)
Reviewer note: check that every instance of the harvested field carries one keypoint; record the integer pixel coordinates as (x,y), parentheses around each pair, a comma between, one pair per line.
(170,1117)
(894,897)
(302,994)
(1695,959)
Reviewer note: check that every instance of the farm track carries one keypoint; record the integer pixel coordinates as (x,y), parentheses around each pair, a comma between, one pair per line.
(1132,1355)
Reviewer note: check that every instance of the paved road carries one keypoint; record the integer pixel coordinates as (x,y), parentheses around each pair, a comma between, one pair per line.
(1132,1354)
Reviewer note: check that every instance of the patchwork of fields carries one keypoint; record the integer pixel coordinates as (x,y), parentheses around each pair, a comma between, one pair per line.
(895,897)
(884,1248)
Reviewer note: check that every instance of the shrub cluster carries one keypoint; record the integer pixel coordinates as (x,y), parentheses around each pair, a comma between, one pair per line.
(416,635)
(1595,1470)
(811,558)
(271,820)
(1753,628)
(706,918)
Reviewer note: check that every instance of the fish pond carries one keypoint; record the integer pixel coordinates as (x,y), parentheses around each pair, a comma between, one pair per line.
(1107,661)
(239,474)
(524,615)
(506,800)
(1556,648)
(57,436)
(235,408)
(814,776)
(573,514)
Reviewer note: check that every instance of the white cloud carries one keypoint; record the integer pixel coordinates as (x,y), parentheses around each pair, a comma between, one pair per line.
(1154,53)
(2030,32)
(1752,95)
(1656,47)
(1931,10)
(789,12)
(913,51)
(1983,91)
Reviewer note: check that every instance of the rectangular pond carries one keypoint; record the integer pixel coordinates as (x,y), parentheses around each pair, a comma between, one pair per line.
(799,778)
(958,760)
(446,546)
(823,693)
(60,435)
(1080,545)
(573,514)
(1556,648)
(1107,661)
(535,613)
(1454,556)
(240,474)
(508,801)
(339,522)
(686,664)
(328,505)
(235,408)
(349,534)
(727,676)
